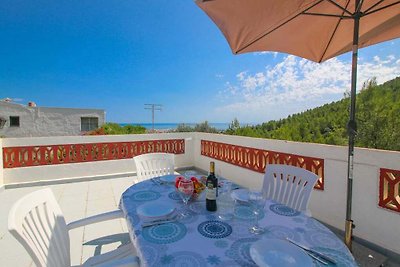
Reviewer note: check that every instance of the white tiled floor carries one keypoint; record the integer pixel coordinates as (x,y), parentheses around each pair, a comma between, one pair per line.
(77,200)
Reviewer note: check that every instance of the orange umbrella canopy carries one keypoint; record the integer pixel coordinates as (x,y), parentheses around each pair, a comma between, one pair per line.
(313,29)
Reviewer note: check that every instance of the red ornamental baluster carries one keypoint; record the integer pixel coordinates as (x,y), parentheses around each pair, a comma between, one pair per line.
(389,189)
(16,157)
(257,159)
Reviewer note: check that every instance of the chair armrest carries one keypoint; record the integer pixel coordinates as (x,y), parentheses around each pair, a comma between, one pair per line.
(307,213)
(115,214)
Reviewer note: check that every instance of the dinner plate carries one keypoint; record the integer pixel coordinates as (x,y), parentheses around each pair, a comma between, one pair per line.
(155,210)
(168,178)
(277,252)
(241,195)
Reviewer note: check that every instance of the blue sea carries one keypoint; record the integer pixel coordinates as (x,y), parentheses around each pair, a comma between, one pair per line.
(170,126)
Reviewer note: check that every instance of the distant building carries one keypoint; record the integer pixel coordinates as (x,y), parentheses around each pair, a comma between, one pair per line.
(18,120)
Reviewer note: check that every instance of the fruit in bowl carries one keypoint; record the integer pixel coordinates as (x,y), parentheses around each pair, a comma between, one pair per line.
(198,187)
(177,180)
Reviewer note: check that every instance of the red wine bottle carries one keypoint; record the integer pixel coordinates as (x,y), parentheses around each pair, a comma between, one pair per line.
(211,187)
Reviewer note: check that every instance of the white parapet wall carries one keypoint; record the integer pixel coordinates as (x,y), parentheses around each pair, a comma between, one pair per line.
(1,164)
(87,169)
(373,223)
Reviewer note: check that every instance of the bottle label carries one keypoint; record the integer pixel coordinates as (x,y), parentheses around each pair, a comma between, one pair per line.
(211,193)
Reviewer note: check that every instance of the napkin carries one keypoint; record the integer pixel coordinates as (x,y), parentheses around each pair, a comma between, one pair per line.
(146,219)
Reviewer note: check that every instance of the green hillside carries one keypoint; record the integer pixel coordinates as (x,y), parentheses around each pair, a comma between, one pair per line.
(378,117)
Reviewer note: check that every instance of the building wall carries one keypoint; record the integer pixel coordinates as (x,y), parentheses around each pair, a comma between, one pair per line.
(43,121)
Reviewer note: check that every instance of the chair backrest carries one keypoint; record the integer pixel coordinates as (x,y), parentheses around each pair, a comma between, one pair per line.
(153,165)
(289,185)
(37,223)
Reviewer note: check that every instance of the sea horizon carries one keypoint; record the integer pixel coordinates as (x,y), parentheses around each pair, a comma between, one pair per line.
(173,125)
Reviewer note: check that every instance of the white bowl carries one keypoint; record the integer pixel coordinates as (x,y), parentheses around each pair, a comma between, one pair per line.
(155,210)
(240,195)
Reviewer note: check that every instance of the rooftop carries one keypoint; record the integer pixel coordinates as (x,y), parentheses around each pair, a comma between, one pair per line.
(94,187)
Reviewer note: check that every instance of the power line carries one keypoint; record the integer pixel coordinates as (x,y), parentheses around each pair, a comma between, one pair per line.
(153,108)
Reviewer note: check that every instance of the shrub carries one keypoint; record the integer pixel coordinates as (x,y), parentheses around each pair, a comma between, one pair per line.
(114,128)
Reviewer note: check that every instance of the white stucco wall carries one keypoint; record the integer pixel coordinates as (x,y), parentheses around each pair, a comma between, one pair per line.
(373,223)
(88,169)
(1,164)
(377,225)
(43,121)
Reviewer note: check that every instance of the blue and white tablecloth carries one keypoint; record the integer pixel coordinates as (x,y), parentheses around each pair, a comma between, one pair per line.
(201,239)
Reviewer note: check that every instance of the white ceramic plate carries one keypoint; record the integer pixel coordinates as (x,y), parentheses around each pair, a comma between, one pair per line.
(168,178)
(241,195)
(277,252)
(155,210)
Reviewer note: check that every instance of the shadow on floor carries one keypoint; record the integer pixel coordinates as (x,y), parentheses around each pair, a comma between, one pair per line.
(122,238)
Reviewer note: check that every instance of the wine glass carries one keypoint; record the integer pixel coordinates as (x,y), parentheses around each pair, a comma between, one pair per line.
(185,189)
(189,174)
(225,202)
(257,202)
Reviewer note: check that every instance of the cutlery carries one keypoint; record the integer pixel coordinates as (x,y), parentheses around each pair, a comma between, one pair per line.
(161,182)
(316,258)
(157,222)
(311,251)
(157,181)
(148,224)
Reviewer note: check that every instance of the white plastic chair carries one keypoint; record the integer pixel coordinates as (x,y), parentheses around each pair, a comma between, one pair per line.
(154,165)
(289,185)
(37,222)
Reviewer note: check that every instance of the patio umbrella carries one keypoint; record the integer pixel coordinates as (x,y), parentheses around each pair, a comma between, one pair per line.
(313,29)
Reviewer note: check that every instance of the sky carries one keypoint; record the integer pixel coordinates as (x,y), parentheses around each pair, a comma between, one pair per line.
(120,55)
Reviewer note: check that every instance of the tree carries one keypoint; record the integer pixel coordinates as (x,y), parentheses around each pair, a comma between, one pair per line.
(378,116)
(114,128)
(205,127)
(200,127)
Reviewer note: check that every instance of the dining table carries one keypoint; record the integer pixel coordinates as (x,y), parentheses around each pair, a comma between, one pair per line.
(201,238)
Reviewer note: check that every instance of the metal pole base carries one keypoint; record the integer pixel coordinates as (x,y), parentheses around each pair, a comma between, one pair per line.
(348,235)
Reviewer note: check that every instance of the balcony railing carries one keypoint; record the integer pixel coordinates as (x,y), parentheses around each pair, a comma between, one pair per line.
(257,159)
(376,190)
(29,156)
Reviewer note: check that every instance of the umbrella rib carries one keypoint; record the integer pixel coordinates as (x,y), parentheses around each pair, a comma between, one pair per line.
(377,3)
(328,15)
(344,9)
(277,27)
(358,7)
(379,9)
(333,34)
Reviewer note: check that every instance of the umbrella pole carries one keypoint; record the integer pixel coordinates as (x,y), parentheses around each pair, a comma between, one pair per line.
(352,131)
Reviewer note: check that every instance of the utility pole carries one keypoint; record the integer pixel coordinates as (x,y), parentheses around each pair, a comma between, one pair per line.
(153,107)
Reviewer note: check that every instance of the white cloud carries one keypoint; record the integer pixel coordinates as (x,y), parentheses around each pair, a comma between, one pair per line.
(274,54)
(296,84)
(382,69)
(219,76)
